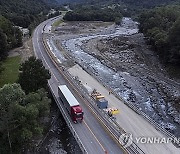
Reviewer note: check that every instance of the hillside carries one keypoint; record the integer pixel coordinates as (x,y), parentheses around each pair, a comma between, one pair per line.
(137,3)
(23,12)
(161,28)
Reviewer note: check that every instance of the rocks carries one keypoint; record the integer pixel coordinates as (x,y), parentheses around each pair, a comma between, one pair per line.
(127,65)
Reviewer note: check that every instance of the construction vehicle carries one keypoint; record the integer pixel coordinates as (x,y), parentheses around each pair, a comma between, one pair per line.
(112,111)
(101,102)
(96,95)
(71,104)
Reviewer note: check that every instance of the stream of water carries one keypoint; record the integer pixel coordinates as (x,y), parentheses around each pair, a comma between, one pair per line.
(138,90)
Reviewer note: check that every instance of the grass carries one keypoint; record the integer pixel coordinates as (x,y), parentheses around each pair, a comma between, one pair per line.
(57,23)
(10,70)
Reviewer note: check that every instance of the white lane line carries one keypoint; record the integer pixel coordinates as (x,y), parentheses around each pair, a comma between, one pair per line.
(44,57)
(57,81)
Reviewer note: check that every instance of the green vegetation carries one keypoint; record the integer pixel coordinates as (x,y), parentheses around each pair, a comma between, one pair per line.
(22,112)
(147,3)
(56,13)
(22,12)
(10,71)
(20,118)
(33,75)
(161,26)
(138,3)
(128,7)
(92,13)
(10,37)
(57,23)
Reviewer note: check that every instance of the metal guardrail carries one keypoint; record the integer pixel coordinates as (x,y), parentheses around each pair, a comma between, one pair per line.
(68,122)
(113,125)
(112,129)
(133,147)
(134,108)
(82,147)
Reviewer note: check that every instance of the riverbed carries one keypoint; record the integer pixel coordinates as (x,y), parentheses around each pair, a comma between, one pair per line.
(145,87)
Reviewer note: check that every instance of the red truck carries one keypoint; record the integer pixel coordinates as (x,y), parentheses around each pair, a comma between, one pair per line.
(70,103)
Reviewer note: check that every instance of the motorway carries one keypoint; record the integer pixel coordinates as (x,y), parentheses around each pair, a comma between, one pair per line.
(93,136)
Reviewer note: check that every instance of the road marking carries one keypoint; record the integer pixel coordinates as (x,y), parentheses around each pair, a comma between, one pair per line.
(82,100)
(94,136)
(75,91)
(84,121)
(44,58)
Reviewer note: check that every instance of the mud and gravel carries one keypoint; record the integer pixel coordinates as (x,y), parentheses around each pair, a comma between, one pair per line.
(121,59)
(24,52)
(81,27)
(157,92)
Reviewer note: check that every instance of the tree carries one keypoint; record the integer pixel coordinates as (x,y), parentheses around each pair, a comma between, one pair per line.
(20,116)
(11,35)
(162,28)
(174,39)
(9,96)
(92,13)
(33,75)
(40,99)
(3,45)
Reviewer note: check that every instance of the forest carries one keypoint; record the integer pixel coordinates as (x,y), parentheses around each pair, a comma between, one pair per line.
(23,106)
(94,13)
(161,27)
(10,37)
(137,3)
(21,13)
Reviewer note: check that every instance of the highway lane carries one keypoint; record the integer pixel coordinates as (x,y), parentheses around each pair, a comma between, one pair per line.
(91,133)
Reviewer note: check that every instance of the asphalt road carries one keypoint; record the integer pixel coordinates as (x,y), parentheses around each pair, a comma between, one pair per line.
(93,136)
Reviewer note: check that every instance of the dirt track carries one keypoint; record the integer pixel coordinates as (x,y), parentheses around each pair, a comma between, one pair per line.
(25,51)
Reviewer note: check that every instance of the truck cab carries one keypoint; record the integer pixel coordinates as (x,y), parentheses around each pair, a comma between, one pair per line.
(77,114)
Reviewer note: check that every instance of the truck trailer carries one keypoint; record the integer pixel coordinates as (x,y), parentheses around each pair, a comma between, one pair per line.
(71,104)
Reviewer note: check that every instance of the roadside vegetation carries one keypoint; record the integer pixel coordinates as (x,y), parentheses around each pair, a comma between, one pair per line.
(23,13)
(24,98)
(57,23)
(24,101)
(33,75)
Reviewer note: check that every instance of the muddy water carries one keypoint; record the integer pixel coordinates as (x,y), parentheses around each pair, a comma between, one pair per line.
(143,90)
